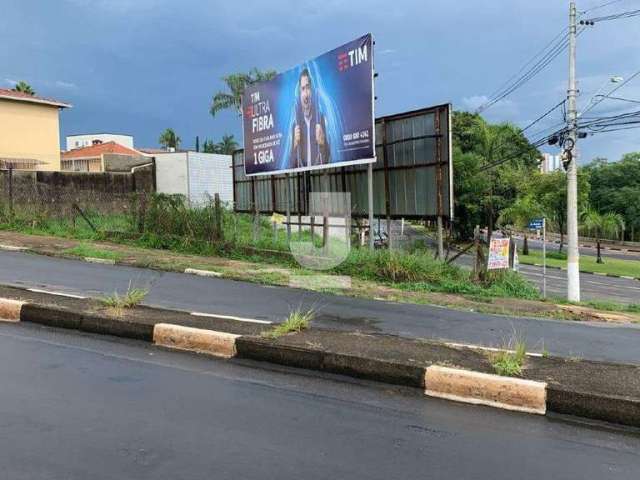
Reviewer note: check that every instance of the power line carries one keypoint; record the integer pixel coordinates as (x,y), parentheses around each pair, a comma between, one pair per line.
(615,16)
(547,54)
(592,104)
(619,98)
(600,6)
(506,83)
(548,112)
(537,143)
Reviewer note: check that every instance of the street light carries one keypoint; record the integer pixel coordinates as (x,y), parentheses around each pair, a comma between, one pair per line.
(597,98)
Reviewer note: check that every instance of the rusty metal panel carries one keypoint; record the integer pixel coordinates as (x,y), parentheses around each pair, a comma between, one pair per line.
(412,147)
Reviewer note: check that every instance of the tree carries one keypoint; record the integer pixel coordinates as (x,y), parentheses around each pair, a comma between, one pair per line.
(491,166)
(550,189)
(169,139)
(520,213)
(24,87)
(209,147)
(227,145)
(602,224)
(236,84)
(615,187)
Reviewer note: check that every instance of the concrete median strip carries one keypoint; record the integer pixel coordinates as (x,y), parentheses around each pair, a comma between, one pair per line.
(219,344)
(486,389)
(10,310)
(592,389)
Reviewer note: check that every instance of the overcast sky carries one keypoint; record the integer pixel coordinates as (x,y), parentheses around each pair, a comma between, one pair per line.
(139,66)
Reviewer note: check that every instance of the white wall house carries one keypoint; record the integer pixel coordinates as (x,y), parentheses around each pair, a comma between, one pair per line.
(198,176)
(88,139)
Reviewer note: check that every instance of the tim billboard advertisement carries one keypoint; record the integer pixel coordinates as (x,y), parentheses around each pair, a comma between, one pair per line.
(316,115)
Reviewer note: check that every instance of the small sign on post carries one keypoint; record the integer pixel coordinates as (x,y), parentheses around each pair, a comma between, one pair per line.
(536,224)
(498,254)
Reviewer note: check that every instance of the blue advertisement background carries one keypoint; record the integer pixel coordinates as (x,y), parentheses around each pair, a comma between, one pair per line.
(342,104)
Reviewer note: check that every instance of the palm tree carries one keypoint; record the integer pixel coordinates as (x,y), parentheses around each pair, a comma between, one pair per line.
(227,145)
(236,83)
(608,224)
(169,139)
(24,87)
(209,147)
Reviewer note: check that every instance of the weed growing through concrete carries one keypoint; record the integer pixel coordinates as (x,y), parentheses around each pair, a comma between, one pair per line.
(130,299)
(297,321)
(510,361)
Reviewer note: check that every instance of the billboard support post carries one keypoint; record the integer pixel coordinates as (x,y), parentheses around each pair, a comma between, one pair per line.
(370,202)
(387,196)
(299,192)
(288,180)
(254,208)
(325,209)
(438,146)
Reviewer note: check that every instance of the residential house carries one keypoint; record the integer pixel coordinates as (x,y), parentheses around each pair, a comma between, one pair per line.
(103,157)
(29,131)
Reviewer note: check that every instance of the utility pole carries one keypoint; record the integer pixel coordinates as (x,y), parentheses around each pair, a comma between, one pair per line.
(573,254)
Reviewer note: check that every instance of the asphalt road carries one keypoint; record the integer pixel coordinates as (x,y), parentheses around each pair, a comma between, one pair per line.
(584,250)
(592,287)
(226,297)
(76,406)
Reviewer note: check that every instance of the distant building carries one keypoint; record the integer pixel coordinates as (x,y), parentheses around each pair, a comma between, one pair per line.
(29,131)
(196,175)
(103,157)
(550,163)
(88,139)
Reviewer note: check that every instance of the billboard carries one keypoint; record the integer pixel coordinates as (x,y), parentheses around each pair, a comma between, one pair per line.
(316,115)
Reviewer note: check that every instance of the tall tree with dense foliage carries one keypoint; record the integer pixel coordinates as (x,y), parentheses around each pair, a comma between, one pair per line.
(236,84)
(24,87)
(524,209)
(491,165)
(615,187)
(550,190)
(599,225)
(169,139)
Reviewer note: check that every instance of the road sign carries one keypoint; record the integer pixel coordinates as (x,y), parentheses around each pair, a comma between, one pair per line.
(535,224)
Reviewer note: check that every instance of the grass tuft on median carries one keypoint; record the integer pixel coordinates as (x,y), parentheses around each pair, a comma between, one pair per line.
(297,321)
(130,299)
(509,362)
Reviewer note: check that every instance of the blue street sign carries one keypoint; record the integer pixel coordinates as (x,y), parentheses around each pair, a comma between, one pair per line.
(535,224)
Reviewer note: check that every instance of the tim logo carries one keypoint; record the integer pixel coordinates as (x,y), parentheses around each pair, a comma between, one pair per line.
(352,58)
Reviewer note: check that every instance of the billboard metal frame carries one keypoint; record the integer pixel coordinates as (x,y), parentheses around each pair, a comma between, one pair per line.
(299,182)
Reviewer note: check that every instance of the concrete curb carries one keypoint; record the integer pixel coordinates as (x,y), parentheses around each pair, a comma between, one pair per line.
(10,310)
(13,248)
(219,344)
(454,384)
(485,389)
(256,348)
(602,274)
(203,273)
(58,317)
(103,261)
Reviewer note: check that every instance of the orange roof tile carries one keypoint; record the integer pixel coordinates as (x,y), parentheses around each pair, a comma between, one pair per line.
(7,94)
(93,151)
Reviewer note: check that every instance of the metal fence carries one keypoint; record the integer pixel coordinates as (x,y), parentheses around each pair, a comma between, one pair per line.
(411,177)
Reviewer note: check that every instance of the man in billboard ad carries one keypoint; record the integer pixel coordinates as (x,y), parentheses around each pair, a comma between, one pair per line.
(316,115)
